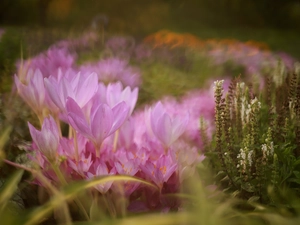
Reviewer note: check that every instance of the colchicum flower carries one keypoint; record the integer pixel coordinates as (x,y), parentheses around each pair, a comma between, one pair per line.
(166,128)
(47,140)
(32,90)
(99,123)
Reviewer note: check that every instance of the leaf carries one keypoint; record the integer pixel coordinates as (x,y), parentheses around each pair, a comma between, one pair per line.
(221,174)
(9,188)
(253,199)
(4,137)
(96,214)
(294,180)
(226,178)
(235,193)
(247,187)
(297,173)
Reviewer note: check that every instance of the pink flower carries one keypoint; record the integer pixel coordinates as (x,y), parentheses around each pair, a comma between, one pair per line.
(161,170)
(83,165)
(67,147)
(167,129)
(99,123)
(50,62)
(126,135)
(47,140)
(116,94)
(114,69)
(80,87)
(32,90)
(101,170)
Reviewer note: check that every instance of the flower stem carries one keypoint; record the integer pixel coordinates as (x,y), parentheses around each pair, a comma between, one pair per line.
(116,138)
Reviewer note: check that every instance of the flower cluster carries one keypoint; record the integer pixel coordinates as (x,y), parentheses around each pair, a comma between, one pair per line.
(114,69)
(158,144)
(60,59)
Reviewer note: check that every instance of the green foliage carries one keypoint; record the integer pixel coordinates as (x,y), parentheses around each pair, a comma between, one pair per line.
(162,79)
(10,50)
(11,203)
(256,144)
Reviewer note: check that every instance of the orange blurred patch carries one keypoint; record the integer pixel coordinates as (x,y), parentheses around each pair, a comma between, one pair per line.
(172,40)
(59,9)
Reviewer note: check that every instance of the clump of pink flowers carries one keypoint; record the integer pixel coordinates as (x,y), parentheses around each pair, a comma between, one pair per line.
(107,136)
(114,69)
(61,58)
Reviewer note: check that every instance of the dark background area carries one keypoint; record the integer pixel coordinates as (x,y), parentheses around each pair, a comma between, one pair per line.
(153,14)
(275,22)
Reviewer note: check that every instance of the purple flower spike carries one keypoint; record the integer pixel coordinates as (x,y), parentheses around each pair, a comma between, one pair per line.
(47,140)
(165,128)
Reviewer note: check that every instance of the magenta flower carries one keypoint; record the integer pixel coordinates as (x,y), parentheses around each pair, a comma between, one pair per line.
(167,129)
(47,140)
(99,123)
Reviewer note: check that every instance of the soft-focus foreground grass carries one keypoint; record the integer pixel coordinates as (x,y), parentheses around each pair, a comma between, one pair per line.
(201,205)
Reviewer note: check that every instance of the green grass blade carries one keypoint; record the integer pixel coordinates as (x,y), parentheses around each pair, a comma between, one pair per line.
(3,139)
(150,219)
(71,191)
(9,188)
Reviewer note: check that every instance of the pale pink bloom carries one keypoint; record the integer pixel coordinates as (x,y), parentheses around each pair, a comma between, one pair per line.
(113,70)
(67,147)
(80,87)
(126,134)
(204,108)
(99,123)
(126,168)
(166,128)
(47,140)
(116,94)
(32,90)
(101,170)
(49,62)
(161,170)
(83,165)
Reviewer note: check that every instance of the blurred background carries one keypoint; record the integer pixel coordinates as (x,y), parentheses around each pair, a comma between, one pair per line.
(147,16)
(276,22)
